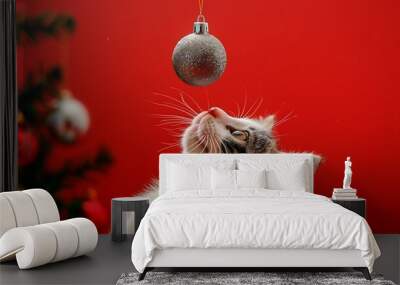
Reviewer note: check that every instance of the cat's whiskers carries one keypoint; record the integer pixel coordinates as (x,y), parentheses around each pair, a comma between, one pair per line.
(241,114)
(215,148)
(172,119)
(211,148)
(168,147)
(217,145)
(250,108)
(223,144)
(255,109)
(167,116)
(181,103)
(237,110)
(210,133)
(205,145)
(187,105)
(187,95)
(175,120)
(174,129)
(176,135)
(169,123)
(197,143)
(286,118)
(214,144)
(176,108)
(171,145)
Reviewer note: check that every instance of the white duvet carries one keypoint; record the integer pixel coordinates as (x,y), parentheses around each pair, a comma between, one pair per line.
(251,218)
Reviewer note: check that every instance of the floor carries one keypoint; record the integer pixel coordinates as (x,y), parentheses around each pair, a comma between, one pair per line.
(389,262)
(110,260)
(103,266)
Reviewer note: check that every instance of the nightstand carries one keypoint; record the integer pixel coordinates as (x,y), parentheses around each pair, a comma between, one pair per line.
(358,205)
(126,214)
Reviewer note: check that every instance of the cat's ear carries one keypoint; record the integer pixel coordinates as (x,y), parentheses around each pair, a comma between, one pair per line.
(268,121)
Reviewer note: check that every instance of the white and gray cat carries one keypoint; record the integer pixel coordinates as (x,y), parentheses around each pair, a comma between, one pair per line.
(214,131)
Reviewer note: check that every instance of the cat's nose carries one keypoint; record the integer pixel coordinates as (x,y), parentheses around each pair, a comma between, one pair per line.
(215,112)
(218,113)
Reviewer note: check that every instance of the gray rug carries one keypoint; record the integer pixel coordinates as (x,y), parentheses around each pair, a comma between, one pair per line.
(243,278)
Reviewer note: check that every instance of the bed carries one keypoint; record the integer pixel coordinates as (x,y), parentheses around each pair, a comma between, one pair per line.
(247,211)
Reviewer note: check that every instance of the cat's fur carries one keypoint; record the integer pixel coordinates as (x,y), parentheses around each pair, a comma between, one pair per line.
(214,131)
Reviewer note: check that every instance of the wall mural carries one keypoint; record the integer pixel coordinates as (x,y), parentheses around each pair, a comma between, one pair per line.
(99,98)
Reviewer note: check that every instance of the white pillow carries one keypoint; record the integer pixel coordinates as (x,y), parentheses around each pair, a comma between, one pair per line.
(188,174)
(251,178)
(181,178)
(290,179)
(288,175)
(223,179)
(237,179)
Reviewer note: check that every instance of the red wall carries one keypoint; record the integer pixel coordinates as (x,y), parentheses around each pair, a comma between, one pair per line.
(334,64)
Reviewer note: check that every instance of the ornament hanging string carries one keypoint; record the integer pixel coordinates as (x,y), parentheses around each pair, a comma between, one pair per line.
(200,17)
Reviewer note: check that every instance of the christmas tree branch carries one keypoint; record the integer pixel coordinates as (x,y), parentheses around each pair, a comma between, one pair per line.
(35,175)
(46,24)
(99,162)
(34,92)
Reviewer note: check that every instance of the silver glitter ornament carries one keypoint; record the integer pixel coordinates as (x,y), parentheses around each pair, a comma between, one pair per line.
(199,58)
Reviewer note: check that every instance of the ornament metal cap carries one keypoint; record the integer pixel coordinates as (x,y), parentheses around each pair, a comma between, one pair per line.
(200,27)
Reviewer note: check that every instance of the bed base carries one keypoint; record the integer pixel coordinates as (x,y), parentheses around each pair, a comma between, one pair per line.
(363,270)
(250,259)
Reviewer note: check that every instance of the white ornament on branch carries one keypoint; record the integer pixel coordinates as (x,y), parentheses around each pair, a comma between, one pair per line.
(70,118)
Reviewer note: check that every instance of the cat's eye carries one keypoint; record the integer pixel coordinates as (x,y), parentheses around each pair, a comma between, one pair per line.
(242,135)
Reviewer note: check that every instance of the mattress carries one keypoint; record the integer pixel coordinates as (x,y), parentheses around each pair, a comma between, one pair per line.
(250,219)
